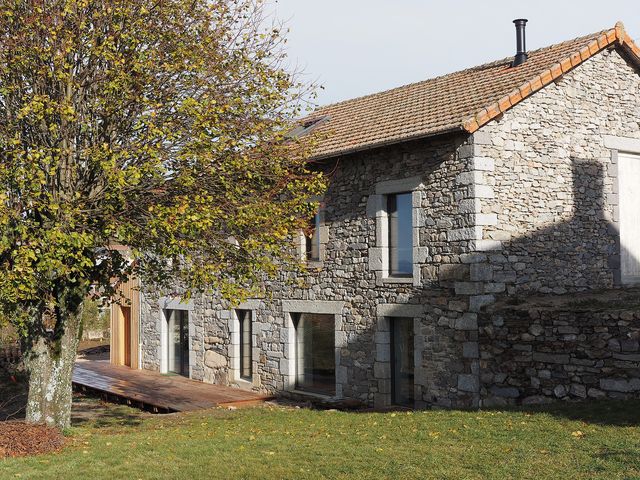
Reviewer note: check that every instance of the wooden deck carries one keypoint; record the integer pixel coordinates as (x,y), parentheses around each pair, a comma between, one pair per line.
(155,392)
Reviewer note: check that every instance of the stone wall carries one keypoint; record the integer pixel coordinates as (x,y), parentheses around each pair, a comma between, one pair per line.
(552,196)
(569,347)
(445,332)
(528,204)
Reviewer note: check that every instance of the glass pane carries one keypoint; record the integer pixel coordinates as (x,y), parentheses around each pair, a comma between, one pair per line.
(178,341)
(173,341)
(244,316)
(313,239)
(315,353)
(184,340)
(399,212)
(402,361)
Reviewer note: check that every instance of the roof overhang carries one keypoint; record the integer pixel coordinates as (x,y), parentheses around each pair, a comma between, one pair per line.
(389,142)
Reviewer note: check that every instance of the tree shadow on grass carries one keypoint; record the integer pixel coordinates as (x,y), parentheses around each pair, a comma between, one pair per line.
(90,411)
(620,413)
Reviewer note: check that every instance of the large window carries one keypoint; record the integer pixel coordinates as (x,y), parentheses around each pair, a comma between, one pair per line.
(402,361)
(244,320)
(177,341)
(399,214)
(315,353)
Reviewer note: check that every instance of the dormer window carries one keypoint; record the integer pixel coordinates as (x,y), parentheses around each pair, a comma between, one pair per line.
(306,126)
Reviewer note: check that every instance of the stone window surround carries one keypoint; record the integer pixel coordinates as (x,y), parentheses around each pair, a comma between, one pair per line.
(288,361)
(377,208)
(251,305)
(323,231)
(618,145)
(173,303)
(382,339)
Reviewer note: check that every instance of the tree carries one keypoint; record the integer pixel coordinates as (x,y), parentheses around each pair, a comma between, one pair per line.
(157,124)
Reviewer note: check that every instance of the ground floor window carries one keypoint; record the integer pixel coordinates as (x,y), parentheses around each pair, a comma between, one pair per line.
(177,341)
(315,353)
(402,361)
(244,321)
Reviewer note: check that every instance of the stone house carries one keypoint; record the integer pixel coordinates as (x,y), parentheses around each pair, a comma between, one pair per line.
(453,202)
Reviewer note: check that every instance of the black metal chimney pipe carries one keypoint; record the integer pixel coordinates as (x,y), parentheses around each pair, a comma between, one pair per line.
(521,39)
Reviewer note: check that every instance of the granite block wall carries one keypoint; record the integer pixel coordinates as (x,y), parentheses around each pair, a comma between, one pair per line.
(553,183)
(525,206)
(446,365)
(567,347)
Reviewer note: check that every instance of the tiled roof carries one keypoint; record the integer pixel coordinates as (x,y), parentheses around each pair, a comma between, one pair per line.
(461,101)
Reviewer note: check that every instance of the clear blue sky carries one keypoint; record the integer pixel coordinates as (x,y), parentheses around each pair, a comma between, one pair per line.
(356,47)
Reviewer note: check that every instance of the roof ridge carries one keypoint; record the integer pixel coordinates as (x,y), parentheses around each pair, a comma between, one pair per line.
(486,65)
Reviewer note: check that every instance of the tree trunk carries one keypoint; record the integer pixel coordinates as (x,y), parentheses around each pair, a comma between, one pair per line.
(50,366)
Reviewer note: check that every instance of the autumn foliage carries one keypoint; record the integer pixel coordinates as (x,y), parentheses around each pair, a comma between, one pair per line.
(156,124)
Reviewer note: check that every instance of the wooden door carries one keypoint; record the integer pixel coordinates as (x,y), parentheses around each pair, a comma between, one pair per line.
(629,183)
(126,317)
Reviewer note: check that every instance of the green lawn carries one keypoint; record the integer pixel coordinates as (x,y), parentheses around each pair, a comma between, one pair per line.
(570,441)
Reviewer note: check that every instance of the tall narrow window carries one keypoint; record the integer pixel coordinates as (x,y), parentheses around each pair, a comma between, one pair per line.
(178,341)
(399,214)
(402,361)
(312,238)
(315,353)
(244,319)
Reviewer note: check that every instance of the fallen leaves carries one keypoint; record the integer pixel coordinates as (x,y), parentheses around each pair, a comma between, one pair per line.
(20,438)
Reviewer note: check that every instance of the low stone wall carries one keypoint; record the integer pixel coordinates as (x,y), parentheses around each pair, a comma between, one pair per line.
(566,347)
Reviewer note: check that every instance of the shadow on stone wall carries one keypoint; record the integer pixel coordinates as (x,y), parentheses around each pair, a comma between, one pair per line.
(569,346)
(580,253)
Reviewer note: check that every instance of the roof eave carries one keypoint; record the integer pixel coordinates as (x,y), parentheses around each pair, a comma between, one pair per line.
(386,143)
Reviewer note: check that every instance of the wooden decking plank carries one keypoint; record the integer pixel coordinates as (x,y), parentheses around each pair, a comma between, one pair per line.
(172,393)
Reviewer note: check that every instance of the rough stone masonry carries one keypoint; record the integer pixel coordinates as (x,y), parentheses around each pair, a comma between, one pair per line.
(526,206)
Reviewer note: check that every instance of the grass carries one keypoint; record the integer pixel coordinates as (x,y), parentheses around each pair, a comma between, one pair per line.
(599,440)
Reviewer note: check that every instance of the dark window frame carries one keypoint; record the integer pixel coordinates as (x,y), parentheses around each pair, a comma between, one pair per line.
(331,391)
(182,317)
(392,225)
(392,345)
(312,239)
(245,317)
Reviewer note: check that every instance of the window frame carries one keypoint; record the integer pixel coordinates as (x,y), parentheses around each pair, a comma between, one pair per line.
(377,210)
(322,236)
(297,318)
(235,368)
(314,238)
(246,317)
(288,363)
(385,313)
(393,321)
(391,218)
(174,303)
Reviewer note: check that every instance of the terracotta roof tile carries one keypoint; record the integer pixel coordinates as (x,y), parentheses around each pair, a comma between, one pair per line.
(462,101)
